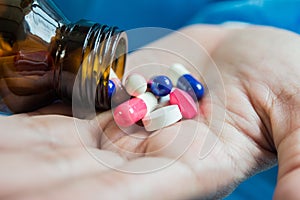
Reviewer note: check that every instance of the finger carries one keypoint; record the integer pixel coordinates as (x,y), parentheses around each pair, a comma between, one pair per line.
(285,121)
(23,172)
(25,131)
(289,167)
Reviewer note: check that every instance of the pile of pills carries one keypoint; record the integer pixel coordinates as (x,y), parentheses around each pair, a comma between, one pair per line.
(160,101)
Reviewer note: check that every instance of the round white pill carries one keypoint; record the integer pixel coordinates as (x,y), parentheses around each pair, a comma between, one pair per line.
(162,117)
(135,84)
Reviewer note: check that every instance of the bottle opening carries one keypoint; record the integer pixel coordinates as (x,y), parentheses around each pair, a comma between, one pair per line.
(103,53)
(114,70)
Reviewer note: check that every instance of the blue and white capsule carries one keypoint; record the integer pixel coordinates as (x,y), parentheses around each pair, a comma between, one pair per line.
(183,80)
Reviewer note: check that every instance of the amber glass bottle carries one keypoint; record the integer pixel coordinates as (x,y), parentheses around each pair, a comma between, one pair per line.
(42,56)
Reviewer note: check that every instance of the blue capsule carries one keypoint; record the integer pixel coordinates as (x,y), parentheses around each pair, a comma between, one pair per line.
(160,85)
(192,86)
(111,88)
(185,81)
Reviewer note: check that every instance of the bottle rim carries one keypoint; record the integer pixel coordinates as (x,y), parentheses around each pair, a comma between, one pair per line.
(104,50)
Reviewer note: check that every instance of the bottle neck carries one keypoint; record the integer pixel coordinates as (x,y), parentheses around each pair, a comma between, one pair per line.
(84,54)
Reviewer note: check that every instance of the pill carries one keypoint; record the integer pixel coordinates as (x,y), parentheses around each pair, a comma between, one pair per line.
(160,85)
(185,102)
(162,117)
(135,84)
(182,78)
(133,110)
(111,88)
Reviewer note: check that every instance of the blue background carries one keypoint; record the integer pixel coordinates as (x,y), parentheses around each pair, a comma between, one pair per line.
(174,14)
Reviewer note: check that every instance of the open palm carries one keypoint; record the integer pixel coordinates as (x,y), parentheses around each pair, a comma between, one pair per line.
(247,122)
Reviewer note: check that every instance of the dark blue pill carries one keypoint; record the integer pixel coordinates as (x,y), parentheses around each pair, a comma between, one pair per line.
(193,87)
(160,85)
(111,88)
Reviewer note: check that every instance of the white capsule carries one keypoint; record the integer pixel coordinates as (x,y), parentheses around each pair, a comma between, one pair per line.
(176,71)
(135,84)
(162,118)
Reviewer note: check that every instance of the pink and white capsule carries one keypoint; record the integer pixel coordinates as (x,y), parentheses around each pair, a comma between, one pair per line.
(129,112)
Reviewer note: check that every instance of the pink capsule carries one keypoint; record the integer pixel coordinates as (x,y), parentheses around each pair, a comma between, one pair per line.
(129,112)
(185,102)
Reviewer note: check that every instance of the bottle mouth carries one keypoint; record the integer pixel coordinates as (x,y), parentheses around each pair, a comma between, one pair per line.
(114,64)
(104,52)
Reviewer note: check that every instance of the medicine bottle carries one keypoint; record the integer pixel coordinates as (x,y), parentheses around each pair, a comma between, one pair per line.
(42,54)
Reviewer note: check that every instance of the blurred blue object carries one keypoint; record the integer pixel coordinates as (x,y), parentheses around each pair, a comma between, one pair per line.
(260,186)
(279,13)
(131,14)
(174,14)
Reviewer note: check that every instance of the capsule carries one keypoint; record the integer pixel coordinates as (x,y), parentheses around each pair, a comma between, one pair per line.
(160,85)
(135,84)
(111,88)
(183,80)
(135,109)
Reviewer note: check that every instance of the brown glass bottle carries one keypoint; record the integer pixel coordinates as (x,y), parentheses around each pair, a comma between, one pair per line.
(44,57)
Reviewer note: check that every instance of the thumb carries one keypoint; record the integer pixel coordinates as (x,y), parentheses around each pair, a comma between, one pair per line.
(289,167)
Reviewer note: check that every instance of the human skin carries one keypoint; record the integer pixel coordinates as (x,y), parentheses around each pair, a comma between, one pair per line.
(43,157)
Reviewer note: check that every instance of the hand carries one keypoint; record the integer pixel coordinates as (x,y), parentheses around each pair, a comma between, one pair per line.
(246,124)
